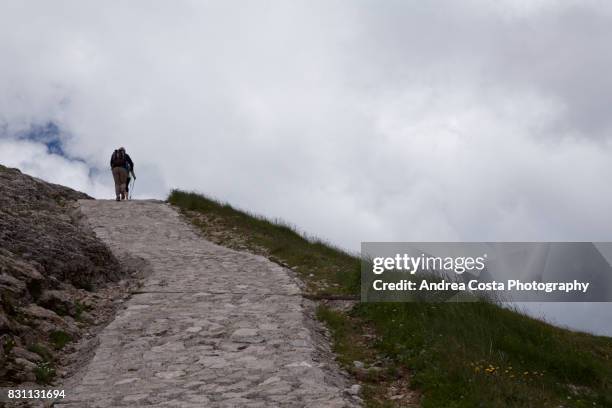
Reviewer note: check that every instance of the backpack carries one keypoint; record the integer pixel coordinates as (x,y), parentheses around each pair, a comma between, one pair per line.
(118,159)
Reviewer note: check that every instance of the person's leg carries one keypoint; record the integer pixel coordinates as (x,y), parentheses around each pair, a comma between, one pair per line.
(117,180)
(127,186)
(123,180)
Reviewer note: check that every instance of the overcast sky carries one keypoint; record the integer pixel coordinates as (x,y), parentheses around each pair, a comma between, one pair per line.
(354,120)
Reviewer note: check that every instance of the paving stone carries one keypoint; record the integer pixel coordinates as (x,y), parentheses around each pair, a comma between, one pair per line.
(210,326)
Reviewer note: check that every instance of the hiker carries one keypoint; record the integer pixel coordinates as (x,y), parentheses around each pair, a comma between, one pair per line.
(130,172)
(120,163)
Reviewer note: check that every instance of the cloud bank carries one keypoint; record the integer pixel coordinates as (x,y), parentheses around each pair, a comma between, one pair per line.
(353,120)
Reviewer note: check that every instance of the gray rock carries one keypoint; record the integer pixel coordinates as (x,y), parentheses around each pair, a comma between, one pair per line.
(170,374)
(241,333)
(4,323)
(26,364)
(59,301)
(38,312)
(355,389)
(25,354)
(358,364)
(44,246)
(11,284)
(38,223)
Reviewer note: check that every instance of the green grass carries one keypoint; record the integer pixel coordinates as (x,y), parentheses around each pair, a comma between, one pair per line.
(350,345)
(79,309)
(45,370)
(42,351)
(59,339)
(469,354)
(344,335)
(8,344)
(45,373)
(332,270)
(458,354)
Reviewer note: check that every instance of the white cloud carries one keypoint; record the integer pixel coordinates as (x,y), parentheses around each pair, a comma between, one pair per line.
(409,121)
(427,122)
(34,159)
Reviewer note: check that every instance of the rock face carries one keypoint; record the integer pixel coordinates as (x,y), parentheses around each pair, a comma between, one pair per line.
(38,225)
(48,260)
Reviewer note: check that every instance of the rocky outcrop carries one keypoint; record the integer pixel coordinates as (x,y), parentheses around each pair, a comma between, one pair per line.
(38,224)
(49,265)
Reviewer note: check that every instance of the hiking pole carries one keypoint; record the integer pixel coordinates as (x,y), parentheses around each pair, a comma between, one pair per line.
(132,189)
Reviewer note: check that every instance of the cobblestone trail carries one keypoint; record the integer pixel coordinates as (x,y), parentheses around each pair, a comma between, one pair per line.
(211,327)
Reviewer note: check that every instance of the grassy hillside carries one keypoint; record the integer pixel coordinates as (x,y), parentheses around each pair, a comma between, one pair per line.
(439,355)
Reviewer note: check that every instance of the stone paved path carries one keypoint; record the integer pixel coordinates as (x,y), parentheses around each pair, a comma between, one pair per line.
(212,328)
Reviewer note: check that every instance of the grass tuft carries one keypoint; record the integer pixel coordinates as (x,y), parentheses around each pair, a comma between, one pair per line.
(45,373)
(42,351)
(59,339)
